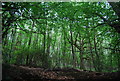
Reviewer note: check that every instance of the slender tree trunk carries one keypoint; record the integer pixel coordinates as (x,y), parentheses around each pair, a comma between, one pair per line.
(48,41)
(97,56)
(91,52)
(72,46)
(64,47)
(28,57)
(81,54)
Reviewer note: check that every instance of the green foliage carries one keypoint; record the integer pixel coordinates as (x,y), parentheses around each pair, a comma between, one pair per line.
(53,34)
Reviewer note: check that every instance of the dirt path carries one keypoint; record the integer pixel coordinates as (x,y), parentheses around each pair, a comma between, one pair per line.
(23,73)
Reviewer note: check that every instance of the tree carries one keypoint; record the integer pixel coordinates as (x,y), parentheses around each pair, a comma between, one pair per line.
(53,34)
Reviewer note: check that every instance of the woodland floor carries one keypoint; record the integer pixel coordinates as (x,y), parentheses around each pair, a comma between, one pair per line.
(24,73)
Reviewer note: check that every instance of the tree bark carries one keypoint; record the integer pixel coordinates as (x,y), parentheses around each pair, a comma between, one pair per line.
(72,45)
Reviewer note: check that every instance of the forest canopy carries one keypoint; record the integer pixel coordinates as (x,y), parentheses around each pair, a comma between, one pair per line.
(62,34)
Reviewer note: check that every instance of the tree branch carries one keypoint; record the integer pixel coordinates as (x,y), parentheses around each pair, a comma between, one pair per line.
(27,31)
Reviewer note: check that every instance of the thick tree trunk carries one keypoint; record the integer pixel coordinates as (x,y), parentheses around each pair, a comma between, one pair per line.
(116,8)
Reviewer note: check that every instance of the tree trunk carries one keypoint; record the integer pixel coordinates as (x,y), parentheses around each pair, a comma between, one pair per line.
(72,46)
(28,57)
(81,54)
(97,56)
